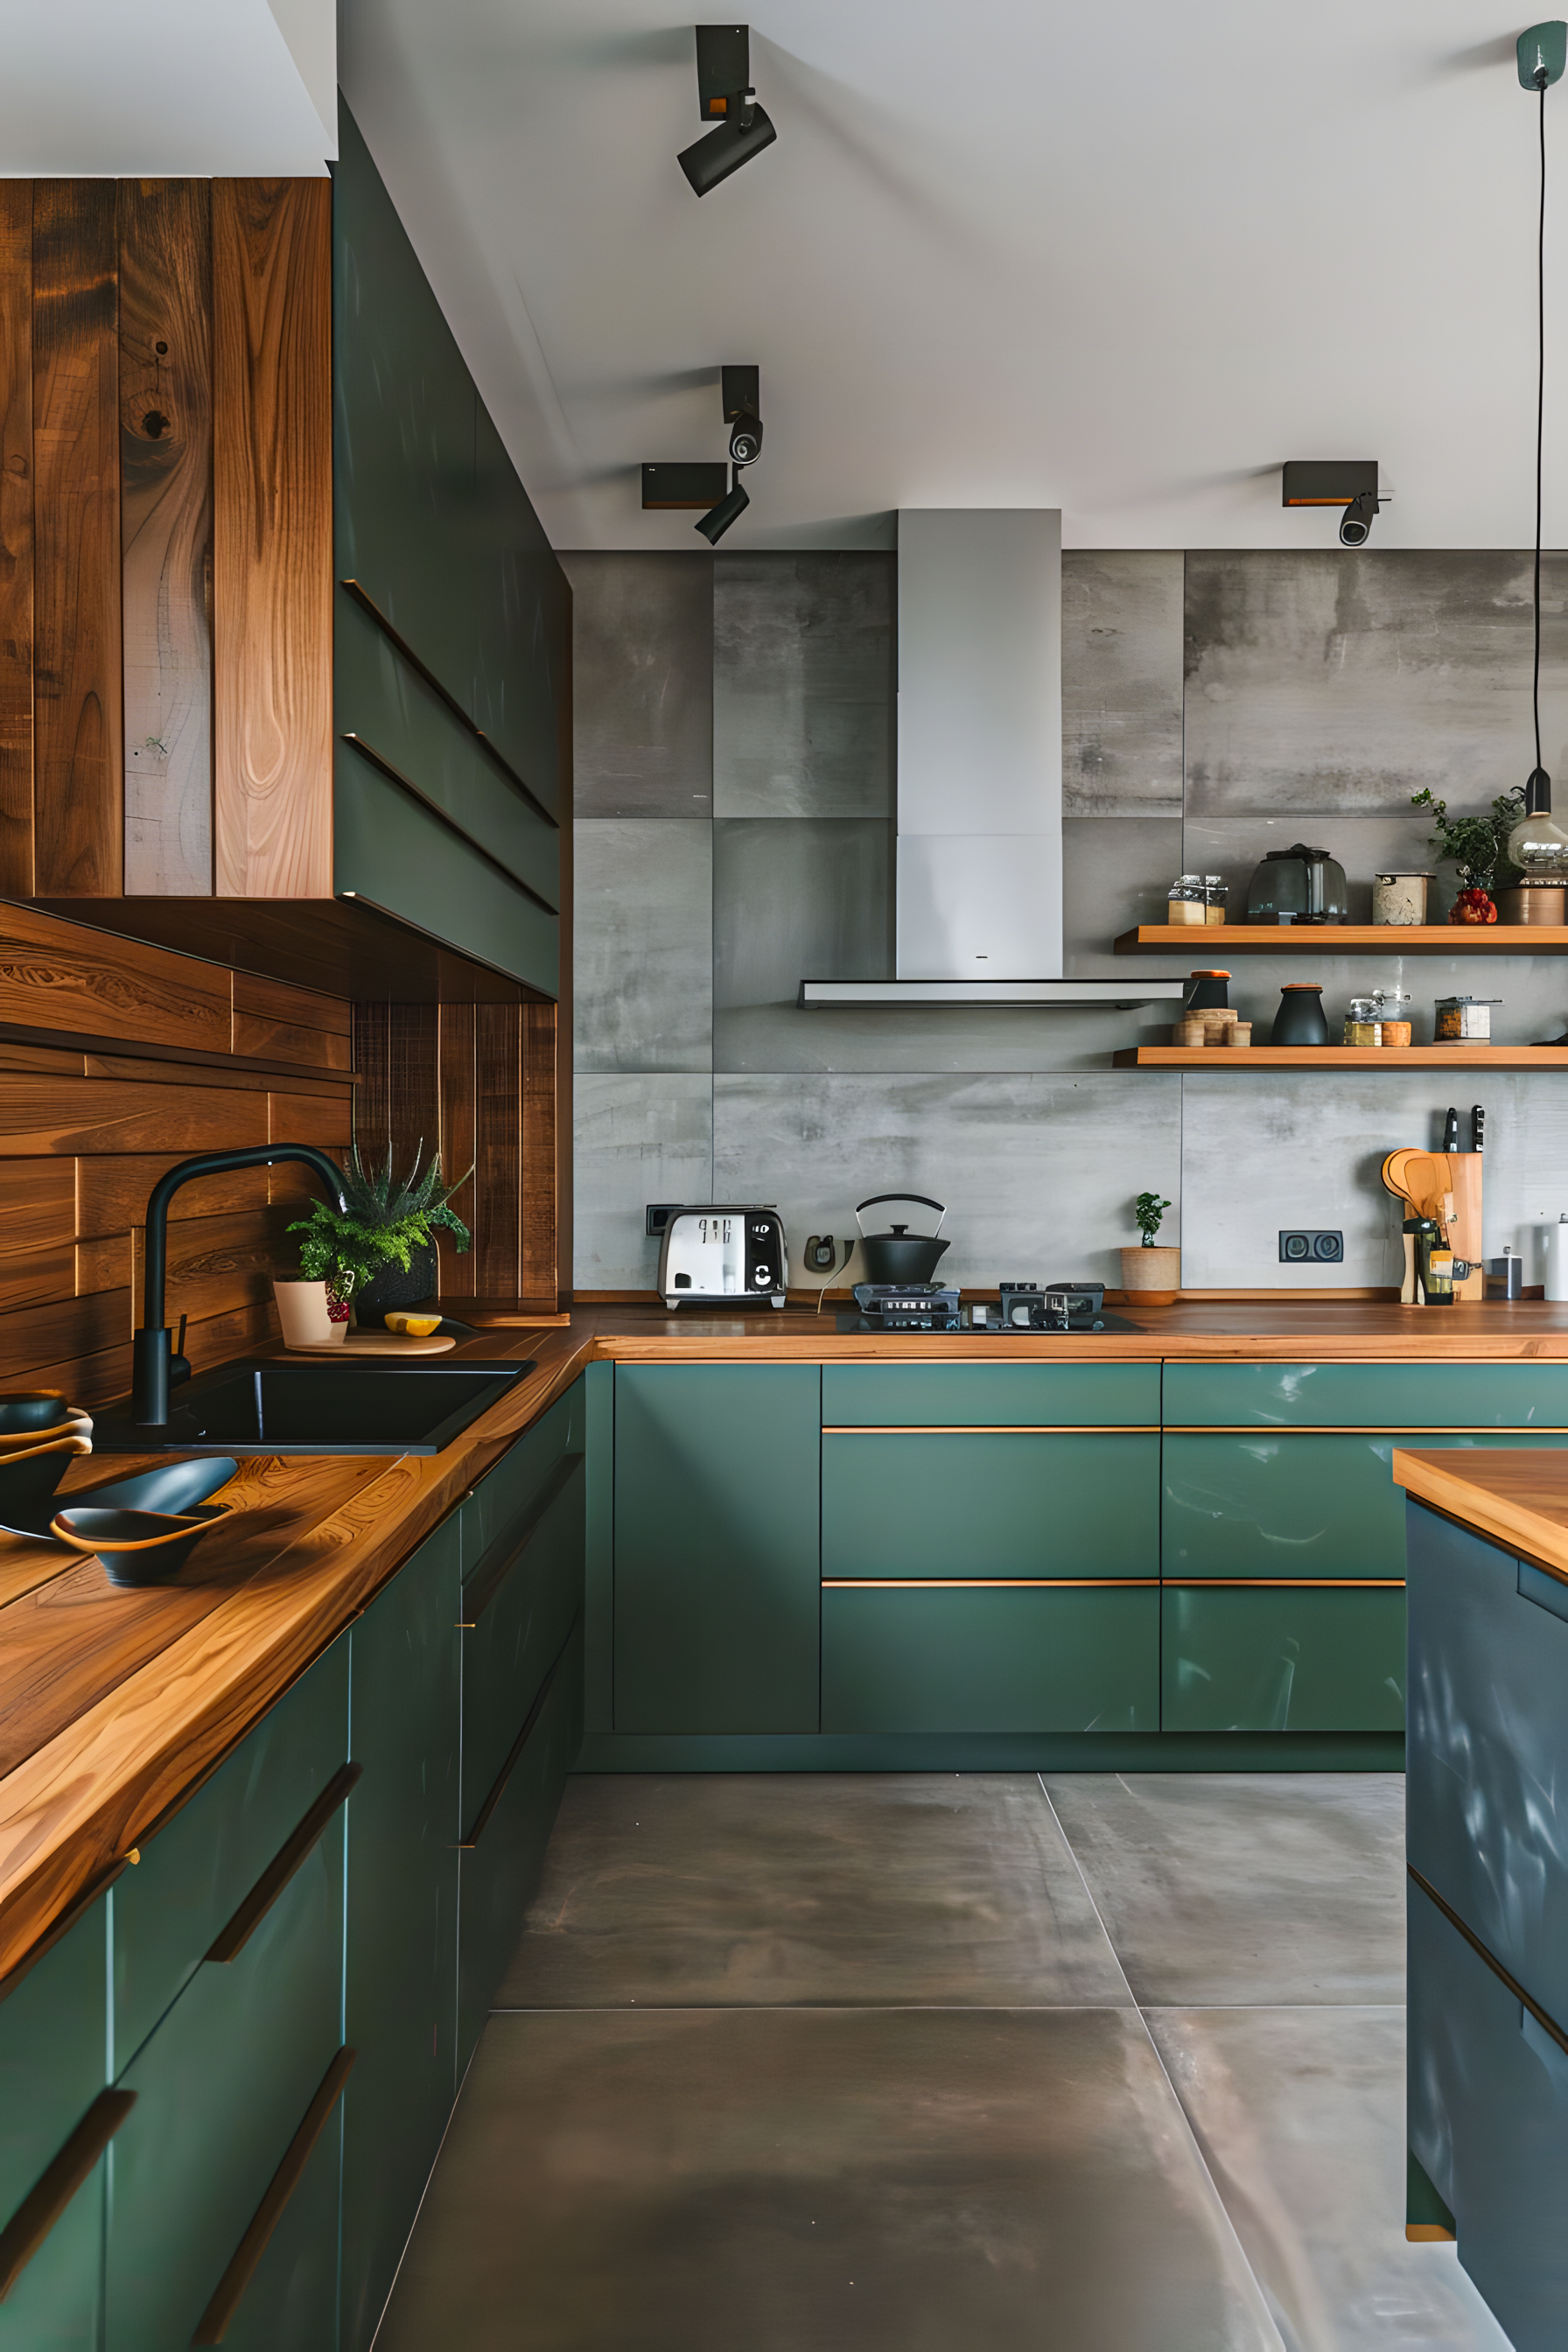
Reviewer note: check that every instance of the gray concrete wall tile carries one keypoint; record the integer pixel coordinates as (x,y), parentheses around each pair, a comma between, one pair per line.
(1038,1171)
(642,692)
(1339,681)
(636,1139)
(781,1037)
(1121,682)
(804,685)
(799,898)
(1115,876)
(643,944)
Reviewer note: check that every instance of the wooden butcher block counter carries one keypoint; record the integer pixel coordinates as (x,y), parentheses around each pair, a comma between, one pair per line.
(116,1703)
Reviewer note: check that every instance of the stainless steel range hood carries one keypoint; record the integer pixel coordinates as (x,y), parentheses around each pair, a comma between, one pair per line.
(979,860)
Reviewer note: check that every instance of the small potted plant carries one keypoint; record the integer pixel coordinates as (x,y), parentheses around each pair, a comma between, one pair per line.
(1478,846)
(1151,1270)
(377,1251)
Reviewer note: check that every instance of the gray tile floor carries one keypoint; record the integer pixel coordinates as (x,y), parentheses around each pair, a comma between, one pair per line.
(917,2062)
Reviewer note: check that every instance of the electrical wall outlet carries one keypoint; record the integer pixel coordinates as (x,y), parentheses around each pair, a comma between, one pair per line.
(1307,1245)
(657,1214)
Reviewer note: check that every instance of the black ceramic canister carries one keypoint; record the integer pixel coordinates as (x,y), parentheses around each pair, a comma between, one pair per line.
(1301,1019)
(1207,992)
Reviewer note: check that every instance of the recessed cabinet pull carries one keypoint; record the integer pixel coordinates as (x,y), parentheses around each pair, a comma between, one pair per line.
(57,2183)
(498,1789)
(492,1572)
(213,2324)
(231,1941)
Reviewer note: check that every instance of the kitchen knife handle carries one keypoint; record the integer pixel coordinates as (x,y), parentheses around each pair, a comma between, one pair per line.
(1451,1131)
(1478,1127)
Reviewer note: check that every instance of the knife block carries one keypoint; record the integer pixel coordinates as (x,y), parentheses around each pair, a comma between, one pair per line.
(1465,1233)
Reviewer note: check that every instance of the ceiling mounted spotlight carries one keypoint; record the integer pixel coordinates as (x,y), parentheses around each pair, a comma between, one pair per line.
(1348,482)
(725,95)
(729,510)
(743,399)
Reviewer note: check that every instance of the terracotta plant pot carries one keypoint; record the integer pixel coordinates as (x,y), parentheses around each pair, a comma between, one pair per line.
(305,1312)
(1151,1277)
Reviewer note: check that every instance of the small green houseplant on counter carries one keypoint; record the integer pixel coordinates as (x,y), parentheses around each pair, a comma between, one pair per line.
(1478,846)
(378,1250)
(1153,1272)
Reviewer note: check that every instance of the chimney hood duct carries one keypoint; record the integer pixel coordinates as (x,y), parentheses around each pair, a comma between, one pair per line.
(978,870)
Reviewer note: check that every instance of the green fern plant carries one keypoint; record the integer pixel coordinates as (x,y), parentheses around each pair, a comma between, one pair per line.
(383,1221)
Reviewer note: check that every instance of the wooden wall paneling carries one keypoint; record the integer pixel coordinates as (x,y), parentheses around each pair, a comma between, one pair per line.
(272,538)
(219,1264)
(92,1380)
(280,1024)
(415,1083)
(17,538)
(62,1329)
(373,1064)
(111,1190)
(57,975)
(497,1093)
(324,1119)
(71,1115)
(37,1202)
(538,1278)
(32,1277)
(79,826)
(459,1101)
(166,446)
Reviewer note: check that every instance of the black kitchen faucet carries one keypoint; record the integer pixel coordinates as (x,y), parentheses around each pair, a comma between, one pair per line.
(156,1366)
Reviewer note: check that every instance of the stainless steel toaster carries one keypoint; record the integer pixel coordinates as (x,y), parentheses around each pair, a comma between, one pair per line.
(716,1255)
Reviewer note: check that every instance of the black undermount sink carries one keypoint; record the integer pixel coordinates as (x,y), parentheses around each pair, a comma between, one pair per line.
(271,1407)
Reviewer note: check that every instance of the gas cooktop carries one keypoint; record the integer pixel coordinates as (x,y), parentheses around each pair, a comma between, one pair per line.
(1061,1306)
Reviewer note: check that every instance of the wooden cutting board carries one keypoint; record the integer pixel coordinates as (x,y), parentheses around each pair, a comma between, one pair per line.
(377,1343)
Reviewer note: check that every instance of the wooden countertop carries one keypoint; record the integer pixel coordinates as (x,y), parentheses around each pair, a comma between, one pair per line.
(115,1703)
(1520,1500)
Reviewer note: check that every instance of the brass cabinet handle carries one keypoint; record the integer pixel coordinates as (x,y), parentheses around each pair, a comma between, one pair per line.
(1547,2023)
(481,1819)
(231,1941)
(213,2324)
(493,1572)
(57,2183)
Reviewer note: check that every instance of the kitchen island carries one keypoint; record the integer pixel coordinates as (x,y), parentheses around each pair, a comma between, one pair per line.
(279,1821)
(1487,1895)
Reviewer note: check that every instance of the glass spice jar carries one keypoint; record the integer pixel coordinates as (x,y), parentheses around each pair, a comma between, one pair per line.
(1216,890)
(1186,902)
(1362,1026)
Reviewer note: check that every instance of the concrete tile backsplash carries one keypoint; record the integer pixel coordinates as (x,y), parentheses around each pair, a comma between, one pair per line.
(735,719)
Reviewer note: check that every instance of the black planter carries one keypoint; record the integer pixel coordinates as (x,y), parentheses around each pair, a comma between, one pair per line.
(393,1287)
(1301,1019)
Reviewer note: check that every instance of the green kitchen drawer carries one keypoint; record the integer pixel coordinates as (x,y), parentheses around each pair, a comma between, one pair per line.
(1294,1502)
(990,1659)
(1246,1658)
(718,1547)
(293,2293)
(982,1504)
(502,1862)
(53,2047)
(1367,1396)
(199,1867)
(994,1396)
(516,1610)
(222,2089)
(521,1475)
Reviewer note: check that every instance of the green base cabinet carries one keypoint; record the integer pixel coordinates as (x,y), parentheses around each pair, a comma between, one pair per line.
(718,1548)
(53,2053)
(400,2001)
(291,2300)
(991,1503)
(991,1659)
(1248,1659)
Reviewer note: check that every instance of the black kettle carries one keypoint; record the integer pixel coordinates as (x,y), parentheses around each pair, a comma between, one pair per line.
(899,1256)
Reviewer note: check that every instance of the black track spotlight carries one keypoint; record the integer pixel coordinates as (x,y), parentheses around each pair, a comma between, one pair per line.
(742,396)
(730,508)
(1356,522)
(1347,482)
(725,95)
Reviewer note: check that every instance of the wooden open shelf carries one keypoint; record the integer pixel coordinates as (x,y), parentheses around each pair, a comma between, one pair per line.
(1345,938)
(1341,1057)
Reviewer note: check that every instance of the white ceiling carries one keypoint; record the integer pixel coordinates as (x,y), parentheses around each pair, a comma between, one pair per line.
(167,88)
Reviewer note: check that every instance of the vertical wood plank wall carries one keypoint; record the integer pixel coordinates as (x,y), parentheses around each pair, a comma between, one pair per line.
(175,1055)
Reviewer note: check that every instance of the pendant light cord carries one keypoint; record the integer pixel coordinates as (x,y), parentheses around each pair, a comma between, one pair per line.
(1540,408)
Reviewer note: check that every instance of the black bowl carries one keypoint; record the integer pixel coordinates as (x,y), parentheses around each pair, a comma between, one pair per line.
(32,1409)
(28,1479)
(137,1546)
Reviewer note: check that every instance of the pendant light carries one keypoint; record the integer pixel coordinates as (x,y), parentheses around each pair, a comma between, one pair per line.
(1537,847)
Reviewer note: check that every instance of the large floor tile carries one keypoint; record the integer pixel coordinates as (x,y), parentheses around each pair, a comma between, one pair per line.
(1243,1888)
(1300,2116)
(743,1888)
(864,2180)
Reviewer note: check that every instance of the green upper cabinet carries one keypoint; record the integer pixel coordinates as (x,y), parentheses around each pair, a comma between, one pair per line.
(717,1558)
(1366,1396)
(453,619)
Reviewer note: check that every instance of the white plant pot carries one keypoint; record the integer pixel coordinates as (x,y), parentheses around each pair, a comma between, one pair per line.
(1153,1275)
(302,1311)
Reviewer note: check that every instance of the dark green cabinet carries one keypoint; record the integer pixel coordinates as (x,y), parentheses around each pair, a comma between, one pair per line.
(1011,1396)
(53,2051)
(1400,1395)
(1241,1658)
(991,1503)
(717,1560)
(993,1658)
(400,1995)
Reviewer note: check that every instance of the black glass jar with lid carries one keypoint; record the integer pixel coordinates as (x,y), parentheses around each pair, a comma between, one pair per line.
(1301,1019)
